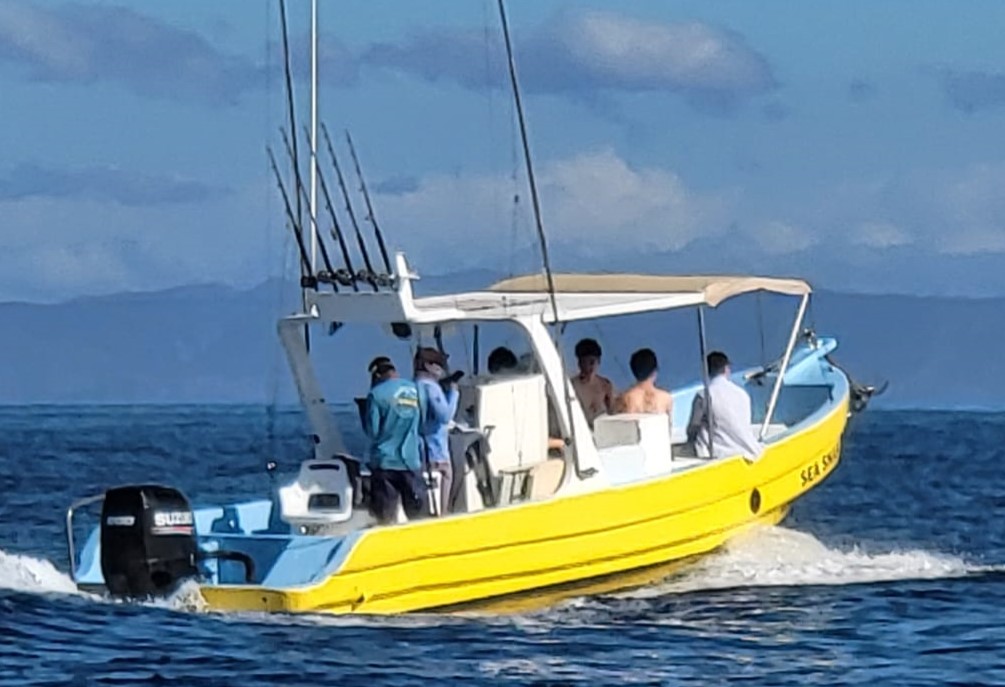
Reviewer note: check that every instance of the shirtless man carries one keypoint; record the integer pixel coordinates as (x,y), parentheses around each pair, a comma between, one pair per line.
(595,392)
(644,397)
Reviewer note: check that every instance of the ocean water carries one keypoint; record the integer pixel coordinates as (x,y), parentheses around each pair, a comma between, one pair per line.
(891,572)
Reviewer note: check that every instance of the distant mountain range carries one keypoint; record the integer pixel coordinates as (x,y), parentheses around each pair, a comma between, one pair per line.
(215,344)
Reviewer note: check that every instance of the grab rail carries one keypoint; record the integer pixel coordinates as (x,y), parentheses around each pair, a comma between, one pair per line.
(783,367)
(71,550)
(238,556)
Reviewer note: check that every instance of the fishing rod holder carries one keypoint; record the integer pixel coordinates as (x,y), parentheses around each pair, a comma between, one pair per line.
(384,280)
(376,279)
(343,277)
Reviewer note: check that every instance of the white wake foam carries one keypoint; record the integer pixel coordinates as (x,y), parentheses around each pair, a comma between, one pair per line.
(777,556)
(186,597)
(27,574)
(767,556)
(22,573)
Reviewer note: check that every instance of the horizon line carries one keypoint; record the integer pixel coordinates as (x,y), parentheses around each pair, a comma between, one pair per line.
(292,281)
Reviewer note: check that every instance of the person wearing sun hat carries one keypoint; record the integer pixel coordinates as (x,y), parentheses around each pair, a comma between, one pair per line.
(438,407)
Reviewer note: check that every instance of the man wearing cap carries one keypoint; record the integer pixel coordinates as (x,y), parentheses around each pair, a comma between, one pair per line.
(438,410)
(391,421)
(732,433)
(381,362)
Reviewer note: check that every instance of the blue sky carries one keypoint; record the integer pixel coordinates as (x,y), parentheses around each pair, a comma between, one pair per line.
(857,144)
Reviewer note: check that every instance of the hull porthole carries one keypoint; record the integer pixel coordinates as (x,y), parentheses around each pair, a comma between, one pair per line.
(755,501)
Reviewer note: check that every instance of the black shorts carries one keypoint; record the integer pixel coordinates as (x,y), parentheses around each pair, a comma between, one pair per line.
(388,486)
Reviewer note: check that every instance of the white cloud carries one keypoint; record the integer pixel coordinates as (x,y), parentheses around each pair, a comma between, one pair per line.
(40,38)
(879,235)
(599,210)
(943,211)
(779,238)
(616,49)
(63,247)
(86,43)
(82,266)
(581,52)
(974,241)
(594,199)
(959,211)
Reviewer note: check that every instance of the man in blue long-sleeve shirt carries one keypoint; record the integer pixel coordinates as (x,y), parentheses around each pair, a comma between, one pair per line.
(391,421)
(438,410)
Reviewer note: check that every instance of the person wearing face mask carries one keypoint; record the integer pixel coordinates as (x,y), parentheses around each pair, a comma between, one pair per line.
(438,405)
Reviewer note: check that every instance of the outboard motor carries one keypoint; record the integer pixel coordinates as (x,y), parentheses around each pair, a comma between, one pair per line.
(148,542)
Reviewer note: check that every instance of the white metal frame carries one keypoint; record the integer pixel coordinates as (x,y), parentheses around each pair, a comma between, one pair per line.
(783,368)
(530,311)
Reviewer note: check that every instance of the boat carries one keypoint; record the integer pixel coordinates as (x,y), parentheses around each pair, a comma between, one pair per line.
(623,499)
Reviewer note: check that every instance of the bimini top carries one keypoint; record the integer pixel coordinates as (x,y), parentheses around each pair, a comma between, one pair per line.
(578,297)
(710,290)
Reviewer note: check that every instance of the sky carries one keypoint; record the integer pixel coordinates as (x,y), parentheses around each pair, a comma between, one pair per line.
(860,145)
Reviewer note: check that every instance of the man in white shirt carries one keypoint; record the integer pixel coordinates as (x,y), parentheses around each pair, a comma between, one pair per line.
(732,433)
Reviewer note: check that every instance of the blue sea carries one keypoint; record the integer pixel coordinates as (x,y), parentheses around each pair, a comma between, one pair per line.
(891,572)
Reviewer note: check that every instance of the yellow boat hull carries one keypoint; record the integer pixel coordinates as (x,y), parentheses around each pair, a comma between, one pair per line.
(532,553)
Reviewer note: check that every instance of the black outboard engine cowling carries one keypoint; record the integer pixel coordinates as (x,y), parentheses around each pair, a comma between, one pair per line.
(148,542)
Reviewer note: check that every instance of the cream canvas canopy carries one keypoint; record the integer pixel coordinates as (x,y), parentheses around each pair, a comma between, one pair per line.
(712,290)
(578,297)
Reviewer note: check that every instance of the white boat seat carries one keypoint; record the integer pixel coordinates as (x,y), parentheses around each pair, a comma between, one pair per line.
(321,494)
(634,445)
(511,411)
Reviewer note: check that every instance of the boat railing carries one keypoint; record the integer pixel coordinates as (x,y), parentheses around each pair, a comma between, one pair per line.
(70,546)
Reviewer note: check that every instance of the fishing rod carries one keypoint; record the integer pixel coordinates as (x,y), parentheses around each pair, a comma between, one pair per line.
(369,208)
(347,276)
(323,276)
(307,267)
(371,275)
(306,281)
(289,96)
(589,472)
